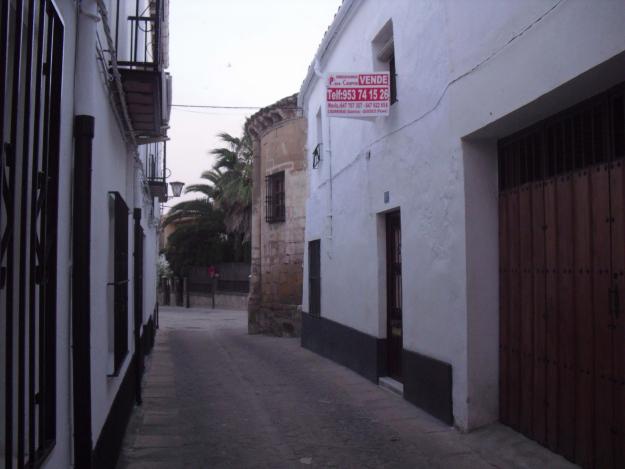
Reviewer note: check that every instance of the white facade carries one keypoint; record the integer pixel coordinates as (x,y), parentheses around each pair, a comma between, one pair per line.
(88,89)
(468,74)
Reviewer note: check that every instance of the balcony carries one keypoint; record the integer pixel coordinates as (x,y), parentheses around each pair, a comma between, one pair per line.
(147,88)
(154,165)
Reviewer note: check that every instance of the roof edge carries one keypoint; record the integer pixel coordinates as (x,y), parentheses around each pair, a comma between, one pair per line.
(346,10)
(269,116)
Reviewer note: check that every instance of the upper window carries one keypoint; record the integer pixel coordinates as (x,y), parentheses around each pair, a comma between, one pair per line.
(274,201)
(383,48)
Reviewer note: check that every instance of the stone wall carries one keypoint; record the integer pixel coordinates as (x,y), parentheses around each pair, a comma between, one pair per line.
(278,247)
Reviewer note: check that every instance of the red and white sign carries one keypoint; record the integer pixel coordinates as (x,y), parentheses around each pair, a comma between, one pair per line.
(358,94)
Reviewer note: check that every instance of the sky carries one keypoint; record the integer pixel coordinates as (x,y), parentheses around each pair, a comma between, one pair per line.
(234,53)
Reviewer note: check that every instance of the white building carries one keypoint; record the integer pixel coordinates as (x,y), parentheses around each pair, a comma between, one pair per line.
(84,108)
(471,244)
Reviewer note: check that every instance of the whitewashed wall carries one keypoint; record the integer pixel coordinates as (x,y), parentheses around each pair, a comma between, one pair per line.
(113,170)
(468,73)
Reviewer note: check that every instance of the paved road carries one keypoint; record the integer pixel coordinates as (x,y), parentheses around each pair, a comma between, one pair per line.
(215,397)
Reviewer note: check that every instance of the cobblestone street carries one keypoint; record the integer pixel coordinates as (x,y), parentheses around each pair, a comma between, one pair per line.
(215,396)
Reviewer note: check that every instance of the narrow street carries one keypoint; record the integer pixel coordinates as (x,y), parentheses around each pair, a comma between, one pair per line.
(215,396)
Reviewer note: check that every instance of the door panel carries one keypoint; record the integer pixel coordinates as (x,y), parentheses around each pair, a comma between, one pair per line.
(568,297)
(394,296)
(515,314)
(526,310)
(539,412)
(601,223)
(504,309)
(617,201)
(551,305)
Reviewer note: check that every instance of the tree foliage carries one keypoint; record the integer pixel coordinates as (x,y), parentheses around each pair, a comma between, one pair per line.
(215,227)
(199,238)
(229,183)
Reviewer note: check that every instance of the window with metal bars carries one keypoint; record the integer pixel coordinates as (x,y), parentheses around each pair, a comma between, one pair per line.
(383,48)
(31,66)
(274,198)
(588,134)
(120,280)
(393,76)
(314,277)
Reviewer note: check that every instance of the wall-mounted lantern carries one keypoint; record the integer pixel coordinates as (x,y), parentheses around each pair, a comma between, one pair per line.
(176,188)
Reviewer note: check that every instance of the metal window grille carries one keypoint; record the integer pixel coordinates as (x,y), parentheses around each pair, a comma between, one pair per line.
(275,198)
(393,76)
(314,277)
(120,281)
(145,46)
(585,135)
(317,156)
(31,62)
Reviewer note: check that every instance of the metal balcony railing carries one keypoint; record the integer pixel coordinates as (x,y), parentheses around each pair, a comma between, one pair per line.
(140,48)
(155,168)
(143,51)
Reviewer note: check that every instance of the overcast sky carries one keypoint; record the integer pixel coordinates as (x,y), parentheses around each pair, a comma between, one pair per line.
(234,53)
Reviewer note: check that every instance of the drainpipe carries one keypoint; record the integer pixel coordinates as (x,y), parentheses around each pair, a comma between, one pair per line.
(329,231)
(84,126)
(137,304)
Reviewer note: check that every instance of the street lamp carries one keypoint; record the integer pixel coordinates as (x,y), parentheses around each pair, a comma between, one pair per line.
(176,188)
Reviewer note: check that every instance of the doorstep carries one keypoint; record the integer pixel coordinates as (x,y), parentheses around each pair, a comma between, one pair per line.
(390,384)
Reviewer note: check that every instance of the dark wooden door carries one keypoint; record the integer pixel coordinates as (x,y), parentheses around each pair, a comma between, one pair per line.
(562,281)
(394,329)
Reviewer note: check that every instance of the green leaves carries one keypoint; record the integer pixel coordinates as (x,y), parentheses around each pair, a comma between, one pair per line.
(215,227)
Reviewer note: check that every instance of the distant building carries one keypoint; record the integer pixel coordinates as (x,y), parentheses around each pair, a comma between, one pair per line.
(278,218)
(84,109)
(469,248)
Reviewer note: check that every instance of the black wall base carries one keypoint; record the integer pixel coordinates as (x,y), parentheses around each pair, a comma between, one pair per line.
(427,384)
(148,336)
(108,447)
(363,353)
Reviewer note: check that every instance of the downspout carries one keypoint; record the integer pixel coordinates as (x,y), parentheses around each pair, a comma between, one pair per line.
(321,76)
(84,127)
(138,303)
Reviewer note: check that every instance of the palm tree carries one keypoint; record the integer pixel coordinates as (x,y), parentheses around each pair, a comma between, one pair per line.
(229,186)
(191,210)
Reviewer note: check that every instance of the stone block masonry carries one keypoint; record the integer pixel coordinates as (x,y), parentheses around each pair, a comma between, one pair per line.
(279,136)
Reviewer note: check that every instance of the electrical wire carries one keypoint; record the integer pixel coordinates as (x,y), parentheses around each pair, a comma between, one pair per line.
(201,106)
(190,111)
(211,106)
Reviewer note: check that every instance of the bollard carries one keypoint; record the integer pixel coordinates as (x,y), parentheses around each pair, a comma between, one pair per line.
(185,289)
(213,290)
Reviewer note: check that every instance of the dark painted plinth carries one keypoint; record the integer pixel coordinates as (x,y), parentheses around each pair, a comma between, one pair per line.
(108,446)
(361,352)
(148,336)
(109,443)
(427,384)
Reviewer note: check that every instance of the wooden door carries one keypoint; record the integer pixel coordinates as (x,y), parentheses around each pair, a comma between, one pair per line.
(394,329)
(562,282)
